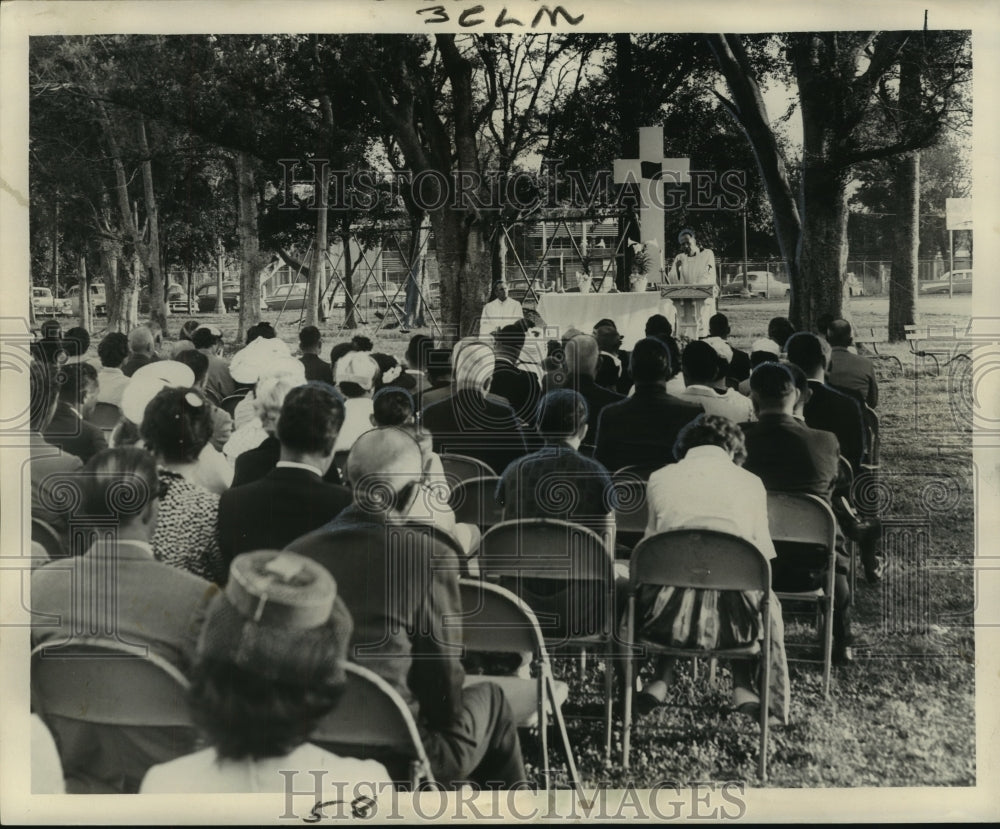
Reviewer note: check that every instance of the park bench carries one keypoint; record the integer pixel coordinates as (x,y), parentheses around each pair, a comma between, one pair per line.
(868,341)
(915,335)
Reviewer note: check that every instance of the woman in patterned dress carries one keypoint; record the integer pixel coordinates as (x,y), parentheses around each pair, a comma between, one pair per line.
(175,428)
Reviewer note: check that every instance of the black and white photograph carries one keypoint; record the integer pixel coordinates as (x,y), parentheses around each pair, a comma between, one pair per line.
(510,411)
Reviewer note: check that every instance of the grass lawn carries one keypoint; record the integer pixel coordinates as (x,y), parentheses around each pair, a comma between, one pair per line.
(903,713)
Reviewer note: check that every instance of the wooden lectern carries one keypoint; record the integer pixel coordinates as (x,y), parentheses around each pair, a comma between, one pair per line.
(694,305)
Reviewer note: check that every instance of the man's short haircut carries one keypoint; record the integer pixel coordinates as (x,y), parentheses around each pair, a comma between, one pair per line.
(113,350)
(438,366)
(780,329)
(808,351)
(700,362)
(561,413)
(74,380)
(309,337)
(581,355)
(361,343)
(509,340)
(712,430)
(177,425)
(196,361)
(204,338)
(799,376)
(392,406)
(659,324)
(262,330)
(718,325)
(650,361)
(140,340)
(823,323)
(310,420)
(417,350)
(383,463)
(772,381)
(758,357)
(119,483)
(44,392)
(77,341)
(339,350)
(840,333)
(188,328)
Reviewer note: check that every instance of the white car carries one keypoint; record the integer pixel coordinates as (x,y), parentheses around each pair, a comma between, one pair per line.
(46,305)
(98,299)
(759,283)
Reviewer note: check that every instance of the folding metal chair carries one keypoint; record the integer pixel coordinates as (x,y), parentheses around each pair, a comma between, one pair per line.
(459,468)
(804,530)
(135,705)
(632,512)
(708,560)
(577,559)
(105,415)
(229,403)
(494,620)
(372,714)
(870,417)
(473,501)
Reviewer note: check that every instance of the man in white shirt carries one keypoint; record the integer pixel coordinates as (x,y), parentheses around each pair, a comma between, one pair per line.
(705,363)
(501,311)
(695,265)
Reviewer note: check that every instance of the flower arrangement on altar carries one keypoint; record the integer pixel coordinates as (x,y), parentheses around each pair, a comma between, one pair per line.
(642,258)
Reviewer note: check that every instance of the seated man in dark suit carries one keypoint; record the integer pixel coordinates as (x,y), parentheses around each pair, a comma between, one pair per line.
(292,499)
(641,431)
(849,372)
(613,363)
(789,456)
(140,600)
(439,377)
(471,422)
(827,408)
(518,387)
(739,365)
(310,344)
(399,594)
(580,355)
(68,429)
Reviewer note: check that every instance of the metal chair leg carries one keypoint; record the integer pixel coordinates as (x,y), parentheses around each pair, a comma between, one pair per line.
(563,733)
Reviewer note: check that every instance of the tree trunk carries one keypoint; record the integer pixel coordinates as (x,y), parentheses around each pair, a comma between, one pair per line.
(906,242)
(317,275)
(85,318)
(250,260)
(464,266)
(220,272)
(628,140)
(823,249)
(150,252)
(350,313)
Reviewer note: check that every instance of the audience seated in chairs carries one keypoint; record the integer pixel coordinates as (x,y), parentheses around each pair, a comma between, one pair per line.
(144,601)
(827,408)
(175,428)
(76,342)
(50,466)
(68,427)
(222,423)
(355,374)
(292,499)
(789,456)
(471,422)
(849,372)
(706,489)
(641,431)
(219,383)
(580,365)
(310,344)
(270,666)
(705,364)
(399,631)
(780,329)
(110,378)
(659,327)
(520,388)
(739,364)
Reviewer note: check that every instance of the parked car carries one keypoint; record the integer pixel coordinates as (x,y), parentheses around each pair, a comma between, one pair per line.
(371,296)
(46,305)
(961,283)
(854,286)
(759,283)
(207,297)
(98,299)
(176,299)
(290,297)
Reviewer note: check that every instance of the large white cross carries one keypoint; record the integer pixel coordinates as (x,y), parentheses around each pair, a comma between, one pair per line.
(648,171)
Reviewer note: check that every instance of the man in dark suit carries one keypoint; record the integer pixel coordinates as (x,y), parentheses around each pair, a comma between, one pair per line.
(292,499)
(641,430)
(850,372)
(69,429)
(827,408)
(310,344)
(739,364)
(471,422)
(518,387)
(789,456)
(613,363)
(400,584)
(580,353)
(143,602)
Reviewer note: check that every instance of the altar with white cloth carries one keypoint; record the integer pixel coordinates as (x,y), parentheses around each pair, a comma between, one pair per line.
(629,311)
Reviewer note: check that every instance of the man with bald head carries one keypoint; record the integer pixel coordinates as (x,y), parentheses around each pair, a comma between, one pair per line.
(142,350)
(581,355)
(400,583)
(470,421)
(850,372)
